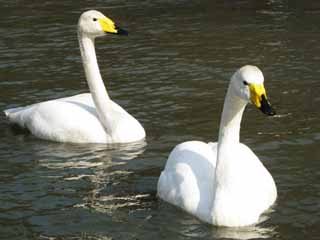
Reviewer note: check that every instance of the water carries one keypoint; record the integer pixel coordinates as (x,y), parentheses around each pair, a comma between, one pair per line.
(171,73)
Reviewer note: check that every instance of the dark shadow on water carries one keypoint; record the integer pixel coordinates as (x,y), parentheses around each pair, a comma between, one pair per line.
(15,129)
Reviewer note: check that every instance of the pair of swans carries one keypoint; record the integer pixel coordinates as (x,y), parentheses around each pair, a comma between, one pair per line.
(222,183)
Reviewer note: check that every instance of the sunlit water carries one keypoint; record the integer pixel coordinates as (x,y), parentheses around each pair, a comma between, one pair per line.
(171,73)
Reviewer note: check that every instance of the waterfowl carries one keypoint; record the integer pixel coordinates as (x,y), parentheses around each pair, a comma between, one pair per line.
(85,118)
(223,183)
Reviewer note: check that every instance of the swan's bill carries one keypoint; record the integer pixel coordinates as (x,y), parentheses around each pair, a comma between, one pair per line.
(108,26)
(121,31)
(259,98)
(266,107)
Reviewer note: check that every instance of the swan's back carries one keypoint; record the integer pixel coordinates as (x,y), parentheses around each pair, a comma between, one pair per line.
(61,120)
(187,178)
(74,119)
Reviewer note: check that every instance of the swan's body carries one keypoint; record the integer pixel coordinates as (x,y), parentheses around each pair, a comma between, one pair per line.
(75,119)
(223,183)
(91,117)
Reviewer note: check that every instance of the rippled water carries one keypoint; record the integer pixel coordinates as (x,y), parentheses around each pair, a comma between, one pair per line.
(171,73)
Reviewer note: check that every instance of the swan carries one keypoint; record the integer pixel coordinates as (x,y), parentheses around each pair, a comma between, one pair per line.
(223,183)
(85,118)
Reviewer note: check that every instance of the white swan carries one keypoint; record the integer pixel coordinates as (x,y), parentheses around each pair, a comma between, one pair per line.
(85,117)
(223,183)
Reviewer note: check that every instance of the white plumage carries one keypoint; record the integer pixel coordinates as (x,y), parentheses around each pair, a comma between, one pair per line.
(223,183)
(91,117)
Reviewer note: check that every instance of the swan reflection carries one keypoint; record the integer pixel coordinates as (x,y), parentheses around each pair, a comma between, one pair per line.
(93,171)
(245,233)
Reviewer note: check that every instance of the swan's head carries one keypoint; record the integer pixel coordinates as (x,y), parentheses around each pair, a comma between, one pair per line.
(94,24)
(247,83)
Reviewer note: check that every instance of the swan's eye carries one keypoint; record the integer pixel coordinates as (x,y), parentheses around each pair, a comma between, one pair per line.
(94,19)
(245,83)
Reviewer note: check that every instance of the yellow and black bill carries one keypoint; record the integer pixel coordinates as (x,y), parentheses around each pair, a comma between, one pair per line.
(259,99)
(108,26)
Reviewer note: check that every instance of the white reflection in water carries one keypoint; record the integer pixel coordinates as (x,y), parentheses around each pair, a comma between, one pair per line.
(252,232)
(97,164)
(194,228)
(61,156)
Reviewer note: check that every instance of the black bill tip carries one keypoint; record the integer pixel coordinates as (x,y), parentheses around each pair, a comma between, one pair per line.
(121,31)
(266,107)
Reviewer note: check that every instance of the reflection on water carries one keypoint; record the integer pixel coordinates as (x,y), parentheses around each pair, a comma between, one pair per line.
(171,73)
(90,151)
(92,163)
(255,232)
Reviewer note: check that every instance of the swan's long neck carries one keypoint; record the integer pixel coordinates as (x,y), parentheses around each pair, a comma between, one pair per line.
(97,88)
(229,131)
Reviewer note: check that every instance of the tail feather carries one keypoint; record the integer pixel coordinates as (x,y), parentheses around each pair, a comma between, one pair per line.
(16,115)
(6,113)
(10,111)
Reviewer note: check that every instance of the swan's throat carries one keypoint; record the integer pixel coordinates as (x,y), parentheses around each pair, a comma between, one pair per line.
(97,88)
(231,119)
(229,138)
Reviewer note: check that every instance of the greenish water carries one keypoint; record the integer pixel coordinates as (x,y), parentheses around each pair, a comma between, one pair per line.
(171,73)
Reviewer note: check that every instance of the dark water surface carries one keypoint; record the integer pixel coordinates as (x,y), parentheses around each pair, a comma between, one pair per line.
(171,73)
